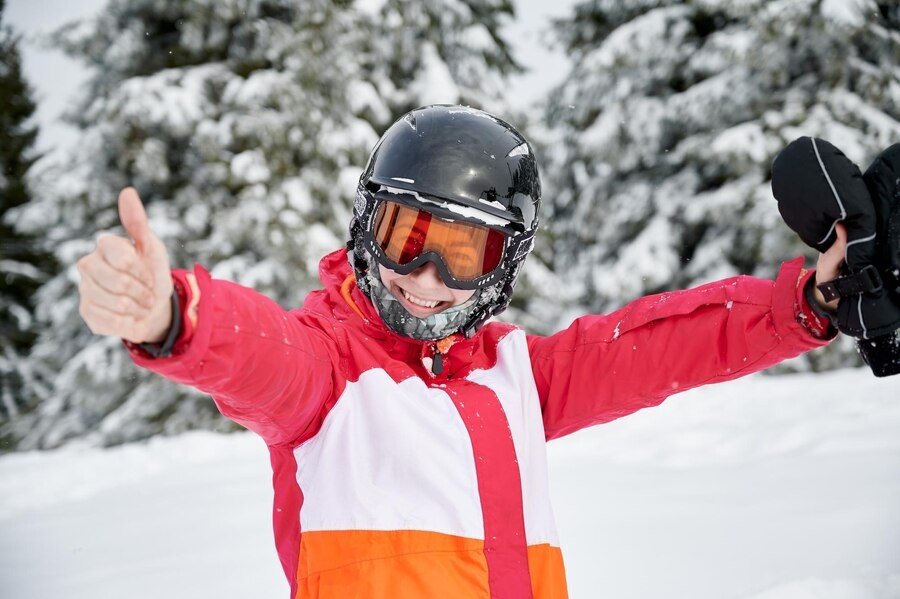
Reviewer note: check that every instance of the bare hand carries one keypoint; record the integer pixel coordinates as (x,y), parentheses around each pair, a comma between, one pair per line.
(829,265)
(126,284)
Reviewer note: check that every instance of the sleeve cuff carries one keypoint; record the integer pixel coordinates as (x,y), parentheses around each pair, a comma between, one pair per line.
(185,299)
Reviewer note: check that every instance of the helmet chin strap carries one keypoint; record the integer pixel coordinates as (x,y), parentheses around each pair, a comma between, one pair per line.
(433,327)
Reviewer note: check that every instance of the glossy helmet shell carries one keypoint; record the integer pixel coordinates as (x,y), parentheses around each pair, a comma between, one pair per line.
(459,163)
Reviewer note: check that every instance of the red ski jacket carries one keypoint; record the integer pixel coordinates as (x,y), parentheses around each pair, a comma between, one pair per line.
(391,481)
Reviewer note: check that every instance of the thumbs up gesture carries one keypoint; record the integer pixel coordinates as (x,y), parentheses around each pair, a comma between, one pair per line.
(126,284)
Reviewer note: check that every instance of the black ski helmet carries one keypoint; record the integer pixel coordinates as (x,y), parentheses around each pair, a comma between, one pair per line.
(458,163)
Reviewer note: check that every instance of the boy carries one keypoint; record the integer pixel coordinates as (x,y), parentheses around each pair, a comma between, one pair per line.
(406,431)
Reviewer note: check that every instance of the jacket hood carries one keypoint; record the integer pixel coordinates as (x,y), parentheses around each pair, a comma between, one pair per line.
(334,269)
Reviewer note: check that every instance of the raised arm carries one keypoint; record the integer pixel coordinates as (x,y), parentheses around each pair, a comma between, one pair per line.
(266,368)
(604,367)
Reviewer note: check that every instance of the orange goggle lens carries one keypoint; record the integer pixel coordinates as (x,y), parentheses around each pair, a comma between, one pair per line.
(468,251)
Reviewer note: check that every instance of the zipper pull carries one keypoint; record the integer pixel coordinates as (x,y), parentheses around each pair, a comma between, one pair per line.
(437,363)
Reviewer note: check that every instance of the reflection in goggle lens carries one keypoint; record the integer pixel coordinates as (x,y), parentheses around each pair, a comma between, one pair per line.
(404,233)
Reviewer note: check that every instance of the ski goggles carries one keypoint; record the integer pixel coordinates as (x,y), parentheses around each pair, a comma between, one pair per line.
(467,255)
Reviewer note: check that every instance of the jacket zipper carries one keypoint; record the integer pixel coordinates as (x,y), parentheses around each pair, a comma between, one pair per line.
(437,361)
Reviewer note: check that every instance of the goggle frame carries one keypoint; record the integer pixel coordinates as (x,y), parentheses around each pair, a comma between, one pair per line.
(486,280)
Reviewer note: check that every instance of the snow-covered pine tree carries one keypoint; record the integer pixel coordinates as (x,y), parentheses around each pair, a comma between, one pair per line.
(664,132)
(24,263)
(438,51)
(244,125)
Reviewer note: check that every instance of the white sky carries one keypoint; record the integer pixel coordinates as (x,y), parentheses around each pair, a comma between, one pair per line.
(55,77)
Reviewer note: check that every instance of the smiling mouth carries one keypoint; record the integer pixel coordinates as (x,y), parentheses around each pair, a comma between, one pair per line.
(417,301)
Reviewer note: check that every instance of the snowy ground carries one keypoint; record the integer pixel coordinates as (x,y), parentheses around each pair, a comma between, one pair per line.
(766,488)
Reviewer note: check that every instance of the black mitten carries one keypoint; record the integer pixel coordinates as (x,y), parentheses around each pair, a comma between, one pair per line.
(882,179)
(816,187)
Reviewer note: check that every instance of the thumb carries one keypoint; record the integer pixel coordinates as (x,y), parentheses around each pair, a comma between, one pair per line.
(134,218)
(829,264)
(149,247)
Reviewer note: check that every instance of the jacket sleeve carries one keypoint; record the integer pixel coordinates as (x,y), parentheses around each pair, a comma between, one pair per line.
(268,369)
(605,367)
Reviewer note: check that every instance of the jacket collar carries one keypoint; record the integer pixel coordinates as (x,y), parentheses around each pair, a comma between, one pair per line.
(348,302)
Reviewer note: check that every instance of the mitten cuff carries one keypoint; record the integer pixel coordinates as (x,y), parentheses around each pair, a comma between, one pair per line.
(814,318)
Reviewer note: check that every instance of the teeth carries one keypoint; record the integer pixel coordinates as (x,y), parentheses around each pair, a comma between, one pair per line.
(419,301)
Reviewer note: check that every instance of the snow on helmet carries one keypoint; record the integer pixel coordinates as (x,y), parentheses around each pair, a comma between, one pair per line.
(460,165)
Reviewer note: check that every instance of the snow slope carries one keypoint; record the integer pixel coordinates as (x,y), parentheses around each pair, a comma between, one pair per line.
(765,488)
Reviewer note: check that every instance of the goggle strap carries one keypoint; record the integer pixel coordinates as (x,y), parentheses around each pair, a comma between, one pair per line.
(526,244)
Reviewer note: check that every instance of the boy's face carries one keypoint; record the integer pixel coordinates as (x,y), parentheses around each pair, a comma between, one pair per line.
(422,292)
